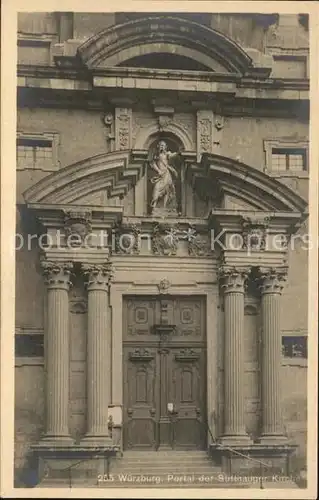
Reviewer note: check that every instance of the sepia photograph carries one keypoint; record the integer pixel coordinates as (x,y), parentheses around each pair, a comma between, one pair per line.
(162,240)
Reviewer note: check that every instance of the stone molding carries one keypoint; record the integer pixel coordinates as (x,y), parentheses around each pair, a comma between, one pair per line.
(96,51)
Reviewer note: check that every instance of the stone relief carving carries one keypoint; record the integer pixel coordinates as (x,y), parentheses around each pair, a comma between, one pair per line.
(164,285)
(164,240)
(255,232)
(78,306)
(205,135)
(205,124)
(127,239)
(198,246)
(77,226)
(123,127)
(164,121)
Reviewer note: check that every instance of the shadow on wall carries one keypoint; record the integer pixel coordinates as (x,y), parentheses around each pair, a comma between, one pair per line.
(28,430)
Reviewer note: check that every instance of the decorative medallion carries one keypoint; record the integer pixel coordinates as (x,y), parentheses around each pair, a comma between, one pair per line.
(164,285)
(127,239)
(77,226)
(255,232)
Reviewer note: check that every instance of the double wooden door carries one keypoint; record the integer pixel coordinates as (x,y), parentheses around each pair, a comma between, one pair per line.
(164,354)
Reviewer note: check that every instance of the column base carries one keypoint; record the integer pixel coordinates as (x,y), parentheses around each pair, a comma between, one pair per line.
(92,440)
(57,441)
(272,439)
(235,440)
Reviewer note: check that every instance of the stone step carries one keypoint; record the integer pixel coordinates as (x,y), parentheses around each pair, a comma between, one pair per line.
(63,483)
(164,470)
(164,453)
(146,463)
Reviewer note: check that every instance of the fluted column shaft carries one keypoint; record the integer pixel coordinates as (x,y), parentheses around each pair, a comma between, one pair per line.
(57,351)
(271,285)
(232,283)
(97,354)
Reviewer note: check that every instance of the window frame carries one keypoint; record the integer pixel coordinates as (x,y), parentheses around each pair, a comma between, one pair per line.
(29,360)
(295,360)
(53,138)
(37,40)
(278,144)
(285,54)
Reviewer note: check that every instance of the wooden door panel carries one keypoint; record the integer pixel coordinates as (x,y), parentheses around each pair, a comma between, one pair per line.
(189,397)
(140,398)
(164,366)
(139,319)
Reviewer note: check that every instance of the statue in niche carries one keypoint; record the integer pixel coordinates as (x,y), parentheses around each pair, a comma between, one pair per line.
(163,179)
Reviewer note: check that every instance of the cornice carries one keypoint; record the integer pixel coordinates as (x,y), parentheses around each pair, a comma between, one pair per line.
(87,74)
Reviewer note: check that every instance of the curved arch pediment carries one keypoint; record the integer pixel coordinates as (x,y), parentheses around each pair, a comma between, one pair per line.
(118,171)
(122,42)
(247,184)
(113,172)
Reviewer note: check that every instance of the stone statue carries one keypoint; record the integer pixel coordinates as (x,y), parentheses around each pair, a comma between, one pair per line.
(163,181)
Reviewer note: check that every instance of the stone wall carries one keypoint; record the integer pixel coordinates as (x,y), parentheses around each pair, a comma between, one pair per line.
(294,404)
(29,414)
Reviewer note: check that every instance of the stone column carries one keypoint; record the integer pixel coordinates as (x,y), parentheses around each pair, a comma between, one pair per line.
(232,283)
(57,276)
(271,284)
(98,386)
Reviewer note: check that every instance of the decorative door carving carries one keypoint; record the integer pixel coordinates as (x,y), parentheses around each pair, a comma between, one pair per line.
(164,373)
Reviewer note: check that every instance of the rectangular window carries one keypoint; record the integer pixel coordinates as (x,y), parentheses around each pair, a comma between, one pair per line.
(29,345)
(288,159)
(294,347)
(37,152)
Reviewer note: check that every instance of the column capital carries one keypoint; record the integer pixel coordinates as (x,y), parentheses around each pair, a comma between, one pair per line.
(98,276)
(271,280)
(232,279)
(57,274)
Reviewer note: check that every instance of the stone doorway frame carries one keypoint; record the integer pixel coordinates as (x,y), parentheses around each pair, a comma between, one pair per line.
(211,294)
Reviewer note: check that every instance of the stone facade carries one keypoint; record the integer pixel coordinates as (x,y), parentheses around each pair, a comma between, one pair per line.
(217,110)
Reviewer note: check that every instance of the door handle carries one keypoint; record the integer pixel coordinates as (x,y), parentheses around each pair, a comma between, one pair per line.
(152,412)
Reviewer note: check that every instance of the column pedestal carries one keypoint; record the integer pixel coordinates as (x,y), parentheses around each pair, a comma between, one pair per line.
(272,426)
(232,283)
(57,354)
(98,384)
